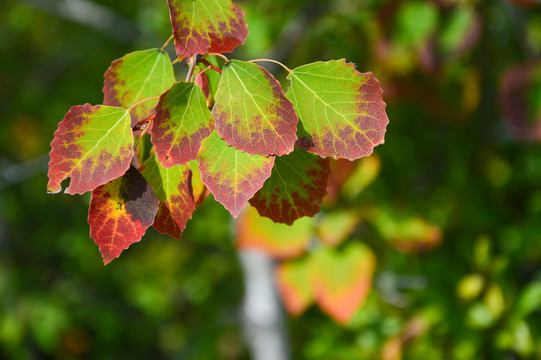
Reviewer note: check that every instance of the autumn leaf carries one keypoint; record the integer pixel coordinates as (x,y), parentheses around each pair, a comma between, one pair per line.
(206,26)
(297,185)
(120,212)
(342,279)
(294,286)
(93,145)
(182,121)
(251,111)
(173,188)
(336,226)
(136,76)
(231,175)
(200,191)
(341,110)
(277,240)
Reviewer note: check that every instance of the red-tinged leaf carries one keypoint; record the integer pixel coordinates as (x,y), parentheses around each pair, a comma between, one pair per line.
(120,212)
(297,185)
(342,279)
(202,81)
(336,226)
(137,76)
(341,110)
(200,191)
(206,26)
(251,112)
(293,282)
(93,145)
(277,240)
(231,175)
(182,122)
(173,188)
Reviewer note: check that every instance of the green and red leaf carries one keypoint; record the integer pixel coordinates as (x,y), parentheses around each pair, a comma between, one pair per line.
(200,191)
(277,240)
(93,145)
(173,188)
(206,26)
(297,185)
(341,110)
(294,286)
(231,175)
(120,212)
(251,112)
(342,279)
(182,121)
(136,76)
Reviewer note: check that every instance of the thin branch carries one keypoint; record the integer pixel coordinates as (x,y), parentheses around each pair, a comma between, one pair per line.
(140,101)
(220,55)
(195,59)
(166,43)
(272,61)
(212,66)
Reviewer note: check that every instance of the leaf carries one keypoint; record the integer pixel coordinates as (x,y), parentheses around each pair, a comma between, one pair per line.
(277,240)
(200,191)
(336,226)
(173,188)
(297,185)
(341,110)
(93,145)
(342,280)
(136,76)
(206,26)
(182,121)
(293,282)
(120,212)
(251,111)
(231,175)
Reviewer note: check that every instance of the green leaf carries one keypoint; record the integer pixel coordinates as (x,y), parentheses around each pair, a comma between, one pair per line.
(93,145)
(251,111)
(182,121)
(173,188)
(206,26)
(277,240)
(341,110)
(120,212)
(342,279)
(231,175)
(296,187)
(336,226)
(293,282)
(137,76)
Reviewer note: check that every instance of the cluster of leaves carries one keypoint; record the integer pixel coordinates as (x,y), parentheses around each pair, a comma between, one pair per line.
(241,137)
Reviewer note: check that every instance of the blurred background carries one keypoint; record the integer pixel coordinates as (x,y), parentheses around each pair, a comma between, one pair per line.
(450,205)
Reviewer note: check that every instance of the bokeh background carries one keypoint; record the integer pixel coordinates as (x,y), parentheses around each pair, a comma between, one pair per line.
(452,210)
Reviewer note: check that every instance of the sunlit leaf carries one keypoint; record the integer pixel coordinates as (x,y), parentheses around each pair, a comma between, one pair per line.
(342,279)
(137,76)
(182,121)
(93,145)
(120,212)
(206,26)
(297,185)
(231,175)
(200,191)
(251,111)
(173,188)
(277,240)
(293,281)
(341,110)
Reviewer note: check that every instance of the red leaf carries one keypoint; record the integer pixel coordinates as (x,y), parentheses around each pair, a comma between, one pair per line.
(120,212)
(173,188)
(93,145)
(231,175)
(297,185)
(199,31)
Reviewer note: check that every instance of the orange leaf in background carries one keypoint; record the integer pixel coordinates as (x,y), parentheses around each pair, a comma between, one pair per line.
(293,281)
(342,279)
(278,240)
